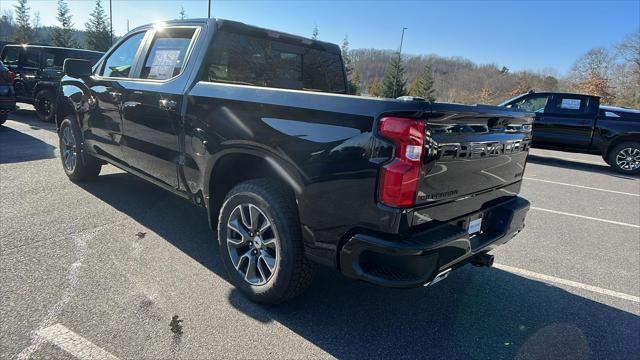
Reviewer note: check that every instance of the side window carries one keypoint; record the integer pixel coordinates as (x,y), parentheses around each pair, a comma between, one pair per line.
(120,62)
(568,105)
(11,55)
(168,50)
(52,58)
(32,57)
(532,103)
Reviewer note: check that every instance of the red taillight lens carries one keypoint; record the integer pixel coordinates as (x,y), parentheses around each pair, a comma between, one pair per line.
(399,178)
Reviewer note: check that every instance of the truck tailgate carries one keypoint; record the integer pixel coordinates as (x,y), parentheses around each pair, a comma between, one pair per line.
(472,149)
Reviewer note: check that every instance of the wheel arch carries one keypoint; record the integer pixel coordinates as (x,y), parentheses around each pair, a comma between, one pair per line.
(237,165)
(632,137)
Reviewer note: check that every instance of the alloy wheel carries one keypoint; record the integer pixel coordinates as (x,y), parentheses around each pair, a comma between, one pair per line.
(628,159)
(252,242)
(69,152)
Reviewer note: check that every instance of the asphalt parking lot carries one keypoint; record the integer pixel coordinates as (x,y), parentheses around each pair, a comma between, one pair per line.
(118,268)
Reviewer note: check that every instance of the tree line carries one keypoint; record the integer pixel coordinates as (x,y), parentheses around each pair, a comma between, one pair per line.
(614,75)
(22,26)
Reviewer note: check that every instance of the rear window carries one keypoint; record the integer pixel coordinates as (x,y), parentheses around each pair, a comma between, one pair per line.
(253,60)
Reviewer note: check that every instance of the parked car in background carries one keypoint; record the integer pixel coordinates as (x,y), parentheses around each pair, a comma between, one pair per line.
(38,71)
(254,125)
(7,94)
(578,123)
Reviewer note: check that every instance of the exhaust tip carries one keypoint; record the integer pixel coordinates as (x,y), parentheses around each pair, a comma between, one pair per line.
(483,260)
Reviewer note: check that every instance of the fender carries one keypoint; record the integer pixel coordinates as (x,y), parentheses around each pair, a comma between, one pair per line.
(281,164)
(72,97)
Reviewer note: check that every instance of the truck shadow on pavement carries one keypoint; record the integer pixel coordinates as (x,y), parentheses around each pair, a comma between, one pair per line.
(30,118)
(16,146)
(576,165)
(475,313)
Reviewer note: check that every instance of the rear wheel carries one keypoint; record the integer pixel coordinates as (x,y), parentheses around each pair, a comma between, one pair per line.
(77,164)
(261,242)
(45,105)
(625,158)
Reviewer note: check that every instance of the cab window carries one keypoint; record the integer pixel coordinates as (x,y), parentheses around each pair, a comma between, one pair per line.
(120,61)
(11,55)
(532,103)
(563,104)
(167,55)
(32,57)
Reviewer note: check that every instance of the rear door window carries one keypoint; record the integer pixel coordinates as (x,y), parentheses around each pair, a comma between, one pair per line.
(11,55)
(120,61)
(262,61)
(569,105)
(53,58)
(167,55)
(32,57)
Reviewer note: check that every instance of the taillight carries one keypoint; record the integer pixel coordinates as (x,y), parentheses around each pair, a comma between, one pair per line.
(399,178)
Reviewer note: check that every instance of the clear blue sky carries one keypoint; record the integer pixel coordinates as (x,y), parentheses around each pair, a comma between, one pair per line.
(521,35)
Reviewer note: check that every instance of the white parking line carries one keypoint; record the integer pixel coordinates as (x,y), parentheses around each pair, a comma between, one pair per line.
(571,159)
(586,217)
(73,343)
(582,187)
(573,284)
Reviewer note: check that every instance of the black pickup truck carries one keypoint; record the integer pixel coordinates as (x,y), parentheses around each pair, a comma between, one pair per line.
(255,126)
(578,123)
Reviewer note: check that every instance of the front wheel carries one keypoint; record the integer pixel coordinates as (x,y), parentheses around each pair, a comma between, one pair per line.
(77,164)
(44,103)
(261,242)
(625,158)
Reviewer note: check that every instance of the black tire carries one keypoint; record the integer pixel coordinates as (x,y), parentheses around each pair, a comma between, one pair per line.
(293,271)
(625,158)
(85,166)
(3,118)
(45,104)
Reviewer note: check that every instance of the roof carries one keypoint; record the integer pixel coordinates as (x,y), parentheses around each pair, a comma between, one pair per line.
(239,26)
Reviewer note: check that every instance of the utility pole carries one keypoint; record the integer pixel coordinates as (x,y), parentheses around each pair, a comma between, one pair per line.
(395,80)
(209,10)
(111,21)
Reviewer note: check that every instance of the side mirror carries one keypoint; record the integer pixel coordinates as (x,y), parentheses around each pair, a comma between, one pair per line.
(77,68)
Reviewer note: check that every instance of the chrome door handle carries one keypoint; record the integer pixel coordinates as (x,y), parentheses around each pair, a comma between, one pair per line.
(115,95)
(168,105)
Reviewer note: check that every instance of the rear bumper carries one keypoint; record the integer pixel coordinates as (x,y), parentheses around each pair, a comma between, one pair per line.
(416,260)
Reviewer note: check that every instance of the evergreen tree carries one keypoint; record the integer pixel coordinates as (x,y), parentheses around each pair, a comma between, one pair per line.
(23,32)
(424,87)
(98,35)
(394,83)
(315,33)
(352,84)
(183,14)
(374,88)
(355,83)
(63,35)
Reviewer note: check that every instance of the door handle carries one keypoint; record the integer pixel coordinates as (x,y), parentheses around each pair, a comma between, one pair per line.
(168,105)
(115,95)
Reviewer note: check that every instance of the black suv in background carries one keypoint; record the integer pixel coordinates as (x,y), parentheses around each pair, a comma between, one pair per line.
(7,95)
(38,72)
(578,123)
